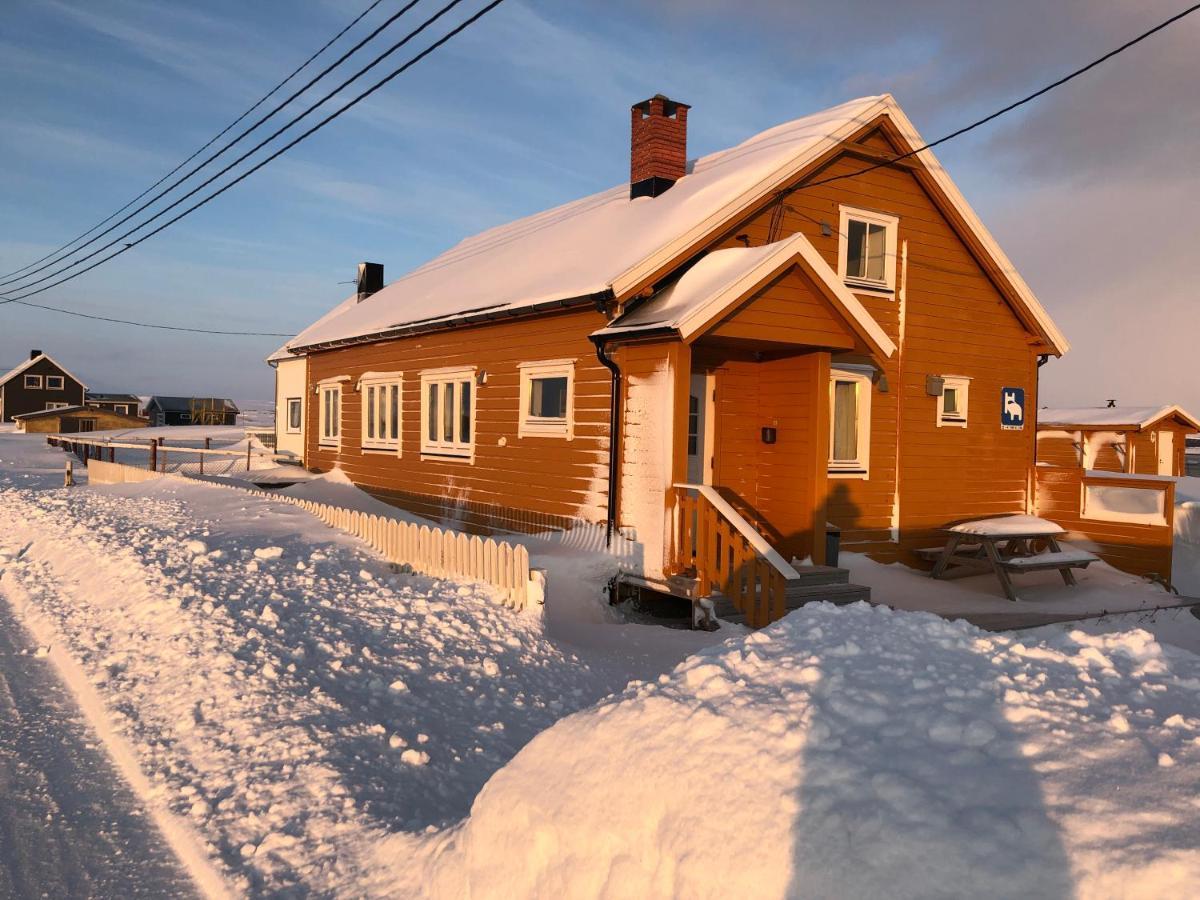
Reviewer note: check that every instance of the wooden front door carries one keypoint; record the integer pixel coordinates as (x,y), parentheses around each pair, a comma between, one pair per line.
(1166,453)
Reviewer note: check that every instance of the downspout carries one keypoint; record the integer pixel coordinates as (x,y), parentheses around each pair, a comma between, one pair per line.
(614,439)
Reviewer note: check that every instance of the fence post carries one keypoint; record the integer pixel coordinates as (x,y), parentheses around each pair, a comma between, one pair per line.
(112,454)
(69,475)
(153,454)
(247,454)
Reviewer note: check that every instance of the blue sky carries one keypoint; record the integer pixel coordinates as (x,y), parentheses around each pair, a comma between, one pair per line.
(529,109)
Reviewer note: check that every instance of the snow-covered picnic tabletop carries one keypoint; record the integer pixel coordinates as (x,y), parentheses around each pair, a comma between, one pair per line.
(303,721)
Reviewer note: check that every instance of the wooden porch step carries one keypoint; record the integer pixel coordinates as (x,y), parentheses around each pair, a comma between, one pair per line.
(820,575)
(797,595)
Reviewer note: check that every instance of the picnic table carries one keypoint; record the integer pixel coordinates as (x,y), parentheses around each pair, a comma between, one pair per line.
(1006,546)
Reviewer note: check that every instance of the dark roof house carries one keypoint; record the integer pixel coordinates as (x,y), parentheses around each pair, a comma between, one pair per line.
(191,411)
(127,404)
(37,384)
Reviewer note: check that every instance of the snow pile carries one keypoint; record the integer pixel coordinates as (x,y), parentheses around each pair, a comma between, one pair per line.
(852,752)
(1185,561)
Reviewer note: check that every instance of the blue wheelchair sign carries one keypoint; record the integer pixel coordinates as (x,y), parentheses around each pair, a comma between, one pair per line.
(1012,408)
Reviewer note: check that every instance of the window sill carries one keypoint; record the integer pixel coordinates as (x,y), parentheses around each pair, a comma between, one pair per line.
(860,474)
(325,445)
(952,423)
(545,429)
(868,287)
(448,455)
(390,451)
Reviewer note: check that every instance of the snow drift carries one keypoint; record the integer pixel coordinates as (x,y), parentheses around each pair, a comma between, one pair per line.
(853,752)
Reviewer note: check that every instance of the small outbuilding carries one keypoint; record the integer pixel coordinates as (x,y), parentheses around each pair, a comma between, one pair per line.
(75,419)
(191,411)
(126,404)
(1140,440)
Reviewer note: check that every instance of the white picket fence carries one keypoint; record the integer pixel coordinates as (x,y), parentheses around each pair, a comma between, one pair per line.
(437,552)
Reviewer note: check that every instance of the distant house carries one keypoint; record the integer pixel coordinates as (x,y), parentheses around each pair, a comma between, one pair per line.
(75,419)
(1141,440)
(191,411)
(126,404)
(38,384)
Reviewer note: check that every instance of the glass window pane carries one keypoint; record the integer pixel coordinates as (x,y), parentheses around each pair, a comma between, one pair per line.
(432,414)
(950,401)
(294,413)
(548,398)
(324,413)
(370,413)
(845,421)
(448,412)
(381,399)
(856,239)
(394,421)
(464,425)
(876,252)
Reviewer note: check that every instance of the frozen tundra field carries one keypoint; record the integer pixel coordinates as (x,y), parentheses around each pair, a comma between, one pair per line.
(257,706)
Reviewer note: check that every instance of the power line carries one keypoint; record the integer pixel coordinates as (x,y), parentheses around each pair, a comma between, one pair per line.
(1007,109)
(197,168)
(267,96)
(378,85)
(129,246)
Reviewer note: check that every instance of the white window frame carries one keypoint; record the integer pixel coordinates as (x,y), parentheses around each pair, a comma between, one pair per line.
(122,408)
(962,385)
(56,404)
(456,449)
(62,383)
(860,466)
(33,382)
(287,411)
(891,227)
(325,389)
(529,425)
(374,381)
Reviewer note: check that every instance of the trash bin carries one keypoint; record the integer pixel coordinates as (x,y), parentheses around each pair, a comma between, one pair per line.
(833,544)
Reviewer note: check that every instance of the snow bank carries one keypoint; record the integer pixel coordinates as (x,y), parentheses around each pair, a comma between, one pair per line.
(1185,560)
(852,752)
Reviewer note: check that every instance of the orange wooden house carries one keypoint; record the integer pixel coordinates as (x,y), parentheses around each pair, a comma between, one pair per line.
(717,360)
(1138,440)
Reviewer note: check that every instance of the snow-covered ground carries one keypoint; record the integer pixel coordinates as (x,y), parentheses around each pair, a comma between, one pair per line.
(297,719)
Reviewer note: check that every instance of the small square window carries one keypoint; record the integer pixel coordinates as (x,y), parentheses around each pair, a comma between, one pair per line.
(952,404)
(867,249)
(547,399)
(33,381)
(55,382)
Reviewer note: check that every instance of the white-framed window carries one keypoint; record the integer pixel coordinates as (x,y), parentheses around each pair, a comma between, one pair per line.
(329,422)
(295,415)
(547,399)
(381,411)
(55,383)
(122,408)
(33,381)
(849,423)
(867,248)
(952,404)
(448,412)
(54,405)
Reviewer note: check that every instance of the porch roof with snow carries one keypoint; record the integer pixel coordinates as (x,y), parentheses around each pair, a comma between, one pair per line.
(608,245)
(723,278)
(1113,418)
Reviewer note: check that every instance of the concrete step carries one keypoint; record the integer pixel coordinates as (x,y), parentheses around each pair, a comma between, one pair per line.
(796,595)
(821,575)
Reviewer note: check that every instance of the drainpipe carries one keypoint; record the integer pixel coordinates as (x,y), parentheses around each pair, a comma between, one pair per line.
(614,439)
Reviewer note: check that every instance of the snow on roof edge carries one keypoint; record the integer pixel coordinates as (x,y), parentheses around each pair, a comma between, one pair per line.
(13,373)
(1111,416)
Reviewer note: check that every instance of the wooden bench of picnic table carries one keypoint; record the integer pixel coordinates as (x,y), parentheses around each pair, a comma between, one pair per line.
(1004,546)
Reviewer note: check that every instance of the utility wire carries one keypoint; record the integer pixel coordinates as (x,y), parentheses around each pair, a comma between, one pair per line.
(371,90)
(200,166)
(170,206)
(1127,45)
(267,96)
(1007,109)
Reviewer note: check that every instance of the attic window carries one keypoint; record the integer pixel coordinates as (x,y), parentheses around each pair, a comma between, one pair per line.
(54,382)
(867,249)
(33,381)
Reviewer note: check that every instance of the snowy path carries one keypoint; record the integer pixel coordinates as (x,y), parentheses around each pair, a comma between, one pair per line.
(69,825)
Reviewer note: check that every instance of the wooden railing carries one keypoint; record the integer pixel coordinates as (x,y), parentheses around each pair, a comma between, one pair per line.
(726,555)
(157,453)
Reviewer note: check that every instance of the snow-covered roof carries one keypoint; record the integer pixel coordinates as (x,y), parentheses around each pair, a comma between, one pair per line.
(725,276)
(13,373)
(610,243)
(1111,417)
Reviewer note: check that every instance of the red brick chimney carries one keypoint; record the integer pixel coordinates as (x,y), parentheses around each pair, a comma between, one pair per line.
(658,154)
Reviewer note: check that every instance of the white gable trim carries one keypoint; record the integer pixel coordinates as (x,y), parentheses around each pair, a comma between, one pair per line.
(792,250)
(5,379)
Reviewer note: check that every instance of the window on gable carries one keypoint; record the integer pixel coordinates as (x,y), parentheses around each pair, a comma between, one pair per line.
(867,249)
(849,423)
(447,413)
(547,399)
(295,415)
(54,382)
(33,381)
(952,404)
(381,413)
(330,421)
